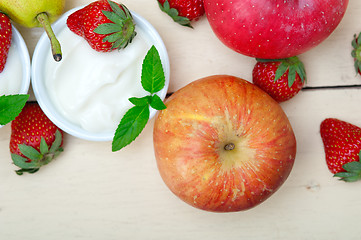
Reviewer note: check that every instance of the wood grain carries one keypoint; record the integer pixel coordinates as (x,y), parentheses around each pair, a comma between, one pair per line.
(91,193)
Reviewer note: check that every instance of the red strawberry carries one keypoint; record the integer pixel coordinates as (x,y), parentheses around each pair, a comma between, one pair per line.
(342,144)
(105,25)
(282,79)
(35,140)
(5,39)
(183,11)
(356,53)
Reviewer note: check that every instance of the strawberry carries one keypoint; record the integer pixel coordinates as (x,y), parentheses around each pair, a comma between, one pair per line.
(105,25)
(35,140)
(183,11)
(282,79)
(356,53)
(342,144)
(5,39)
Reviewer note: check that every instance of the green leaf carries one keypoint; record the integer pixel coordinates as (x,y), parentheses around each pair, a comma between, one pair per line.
(107,28)
(348,176)
(30,170)
(43,146)
(300,69)
(11,106)
(131,125)
(114,37)
(140,101)
(153,79)
(353,53)
(157,103)
(356,66)
(115,18)
(57,142)
(291,76)
(353,167)
(174,14)
(123,12)
(22,162)
(282,68)
(353,171)
(30,152)
(354,43)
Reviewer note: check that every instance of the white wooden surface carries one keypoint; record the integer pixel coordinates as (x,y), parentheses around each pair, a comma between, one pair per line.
(91,193)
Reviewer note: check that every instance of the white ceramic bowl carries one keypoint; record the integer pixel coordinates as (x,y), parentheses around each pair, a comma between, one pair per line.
(43,98)
(25,59)
(22,51)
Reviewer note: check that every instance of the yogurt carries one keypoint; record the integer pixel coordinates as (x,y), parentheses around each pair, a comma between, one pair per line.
(12,75)
(90,88)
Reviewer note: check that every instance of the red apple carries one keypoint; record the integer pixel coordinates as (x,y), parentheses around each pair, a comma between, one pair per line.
(273,29)
(223,144)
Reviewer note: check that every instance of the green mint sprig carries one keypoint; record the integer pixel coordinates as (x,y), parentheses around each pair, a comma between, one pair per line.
(135,119)
(11,106)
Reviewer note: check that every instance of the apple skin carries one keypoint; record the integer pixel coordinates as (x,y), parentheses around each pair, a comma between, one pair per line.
(24,12)
(200,120)
(273,29)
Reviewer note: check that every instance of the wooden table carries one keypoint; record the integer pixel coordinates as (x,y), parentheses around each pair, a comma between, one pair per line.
(91,193)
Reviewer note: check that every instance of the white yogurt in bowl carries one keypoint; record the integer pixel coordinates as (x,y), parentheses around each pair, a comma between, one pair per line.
(86,93)
(15,78)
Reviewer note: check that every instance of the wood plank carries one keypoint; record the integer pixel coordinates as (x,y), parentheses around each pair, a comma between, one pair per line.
(91,193)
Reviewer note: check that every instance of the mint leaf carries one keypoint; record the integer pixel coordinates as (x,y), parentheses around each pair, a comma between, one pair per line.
(157,103)
(153,79)
(140,101)
(131,125)
(135,119)
(11,106)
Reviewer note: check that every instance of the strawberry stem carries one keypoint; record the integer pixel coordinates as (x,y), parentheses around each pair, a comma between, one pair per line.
(55,45)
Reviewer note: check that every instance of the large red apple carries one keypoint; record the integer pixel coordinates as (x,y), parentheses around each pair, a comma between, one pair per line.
(223,144)
(273,29)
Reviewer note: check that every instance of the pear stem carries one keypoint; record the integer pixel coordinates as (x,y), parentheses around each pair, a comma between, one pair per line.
(55,45)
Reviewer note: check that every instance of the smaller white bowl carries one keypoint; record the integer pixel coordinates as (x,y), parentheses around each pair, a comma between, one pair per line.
(23,54)
(25,59)
(45,101)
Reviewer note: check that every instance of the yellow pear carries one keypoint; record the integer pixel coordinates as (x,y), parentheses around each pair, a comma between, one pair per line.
(36,13)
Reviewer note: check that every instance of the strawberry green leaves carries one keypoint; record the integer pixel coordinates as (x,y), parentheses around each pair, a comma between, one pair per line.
(356,53)
(353,171)
(37,158)
(135,119)
(122,31)
(174,14)
(292,64)
(11,106)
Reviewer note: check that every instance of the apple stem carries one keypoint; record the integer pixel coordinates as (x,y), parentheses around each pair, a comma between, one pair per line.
(229,146)
(55,45)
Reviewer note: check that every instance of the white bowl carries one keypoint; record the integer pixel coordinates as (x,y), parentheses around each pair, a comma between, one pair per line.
(25,59)
(43,98)
(23,54)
